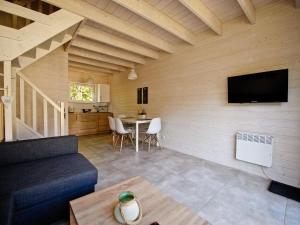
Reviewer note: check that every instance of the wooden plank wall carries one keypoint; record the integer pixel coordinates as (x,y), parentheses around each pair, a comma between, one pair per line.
(82,75)
(188,89)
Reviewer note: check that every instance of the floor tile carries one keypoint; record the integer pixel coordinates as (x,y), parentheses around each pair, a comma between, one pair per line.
(222,195)
(292,216)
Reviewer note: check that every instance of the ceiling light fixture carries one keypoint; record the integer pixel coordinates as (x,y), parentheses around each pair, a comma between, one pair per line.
(132,74)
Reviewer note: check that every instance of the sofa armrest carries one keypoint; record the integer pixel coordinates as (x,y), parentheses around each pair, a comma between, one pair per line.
(29,150)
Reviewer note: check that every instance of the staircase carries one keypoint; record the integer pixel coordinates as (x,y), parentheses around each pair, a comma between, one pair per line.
(42,49)
(26,130)
(18,49)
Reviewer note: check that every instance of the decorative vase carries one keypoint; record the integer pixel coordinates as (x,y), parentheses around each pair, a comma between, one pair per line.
(128,210)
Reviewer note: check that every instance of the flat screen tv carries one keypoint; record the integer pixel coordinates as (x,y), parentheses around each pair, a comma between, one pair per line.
(271,86)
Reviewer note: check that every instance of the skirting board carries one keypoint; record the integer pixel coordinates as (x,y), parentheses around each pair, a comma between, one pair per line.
(285,190)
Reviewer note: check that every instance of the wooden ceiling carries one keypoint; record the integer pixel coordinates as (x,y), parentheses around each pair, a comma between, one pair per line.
(118,34)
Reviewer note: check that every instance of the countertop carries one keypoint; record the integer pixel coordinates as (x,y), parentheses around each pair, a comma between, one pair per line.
(87,112)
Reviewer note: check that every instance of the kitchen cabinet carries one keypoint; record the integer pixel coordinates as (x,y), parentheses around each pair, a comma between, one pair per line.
(88,123)
(103,93)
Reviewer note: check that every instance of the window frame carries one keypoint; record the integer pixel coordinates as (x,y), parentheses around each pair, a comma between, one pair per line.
(82,101)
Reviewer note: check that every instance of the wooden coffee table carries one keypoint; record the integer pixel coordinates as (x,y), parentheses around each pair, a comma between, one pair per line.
(97,208)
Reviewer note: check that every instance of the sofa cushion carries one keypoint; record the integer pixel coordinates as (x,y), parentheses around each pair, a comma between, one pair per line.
(41,180)
(30,150)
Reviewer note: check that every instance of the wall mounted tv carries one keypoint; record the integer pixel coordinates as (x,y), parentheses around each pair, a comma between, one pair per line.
(271,86)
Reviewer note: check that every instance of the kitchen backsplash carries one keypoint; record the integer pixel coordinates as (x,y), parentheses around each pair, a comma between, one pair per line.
(77,107)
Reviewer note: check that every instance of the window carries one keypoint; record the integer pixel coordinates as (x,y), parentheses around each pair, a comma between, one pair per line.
(142,95)
(82,92)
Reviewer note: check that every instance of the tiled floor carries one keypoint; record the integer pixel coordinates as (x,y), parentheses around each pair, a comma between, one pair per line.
(222,195)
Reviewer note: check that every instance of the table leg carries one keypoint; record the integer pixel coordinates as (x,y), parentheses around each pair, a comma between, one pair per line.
(137,137)
(72,218)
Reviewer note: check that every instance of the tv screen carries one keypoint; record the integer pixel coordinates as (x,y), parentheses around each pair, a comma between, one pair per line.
(269,86)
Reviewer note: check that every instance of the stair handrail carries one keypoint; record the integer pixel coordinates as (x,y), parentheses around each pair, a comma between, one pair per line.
(39,91)
(60,108)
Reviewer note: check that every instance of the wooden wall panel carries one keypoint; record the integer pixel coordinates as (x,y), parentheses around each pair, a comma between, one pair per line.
(80,75)
(188,90)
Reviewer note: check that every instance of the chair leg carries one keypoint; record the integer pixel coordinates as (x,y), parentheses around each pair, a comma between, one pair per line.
(113,138)
(149,144)
(116,142)
(145,139)
(130,137)
(122,138)
(157,141)
(125,139)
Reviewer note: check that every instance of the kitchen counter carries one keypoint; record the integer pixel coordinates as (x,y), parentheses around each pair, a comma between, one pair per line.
(87,112)
(81,123)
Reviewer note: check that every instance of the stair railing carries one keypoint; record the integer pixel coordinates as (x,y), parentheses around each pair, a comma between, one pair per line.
(57,108)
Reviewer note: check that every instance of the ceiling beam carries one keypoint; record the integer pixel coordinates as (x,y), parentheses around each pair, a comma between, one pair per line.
(24,12)
(155,16)
(93,62)
(84,67)
(99,16)
(106,38)
(107,50)
(204,14)
(248,9)
(99,57)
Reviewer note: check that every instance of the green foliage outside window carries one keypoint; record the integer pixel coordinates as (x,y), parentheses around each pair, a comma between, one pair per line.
(82,92)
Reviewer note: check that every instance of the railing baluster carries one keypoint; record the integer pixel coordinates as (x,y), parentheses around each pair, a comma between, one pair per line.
(55,122)
(8,113)
(34,127)
(62,118)
(45,118)
(22,100)
(46,100)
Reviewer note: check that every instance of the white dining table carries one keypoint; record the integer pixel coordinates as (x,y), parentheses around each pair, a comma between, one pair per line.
(137,122)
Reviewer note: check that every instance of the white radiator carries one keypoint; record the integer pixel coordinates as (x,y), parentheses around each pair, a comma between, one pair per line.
(254,148)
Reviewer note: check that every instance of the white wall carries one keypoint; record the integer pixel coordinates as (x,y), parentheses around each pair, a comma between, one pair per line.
(188,89)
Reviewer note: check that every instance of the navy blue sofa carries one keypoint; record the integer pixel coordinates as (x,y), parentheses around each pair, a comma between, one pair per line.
(39,177)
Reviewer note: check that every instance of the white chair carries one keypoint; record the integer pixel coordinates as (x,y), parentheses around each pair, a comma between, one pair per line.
(151,135)
(112,126)
(127,126)
(121,132)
